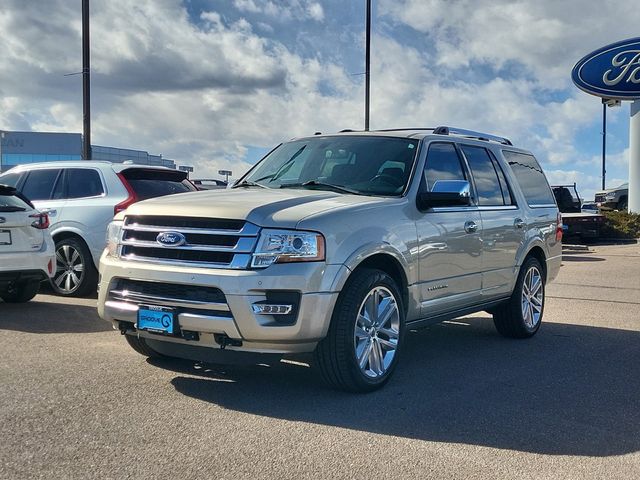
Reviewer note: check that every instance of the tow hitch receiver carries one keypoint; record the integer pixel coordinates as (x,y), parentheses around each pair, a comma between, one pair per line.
(223,340)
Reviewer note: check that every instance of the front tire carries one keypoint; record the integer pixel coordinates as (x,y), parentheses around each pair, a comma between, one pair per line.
(521,315)
(76,275)
(366,334)
(21,292)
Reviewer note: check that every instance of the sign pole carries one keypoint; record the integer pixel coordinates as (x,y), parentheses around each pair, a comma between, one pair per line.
(604,142)
(367,68)
(634,158)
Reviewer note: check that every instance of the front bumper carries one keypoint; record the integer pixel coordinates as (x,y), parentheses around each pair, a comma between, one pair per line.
(234,317)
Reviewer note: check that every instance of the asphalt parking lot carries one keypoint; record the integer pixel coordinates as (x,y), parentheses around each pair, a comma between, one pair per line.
(77,402)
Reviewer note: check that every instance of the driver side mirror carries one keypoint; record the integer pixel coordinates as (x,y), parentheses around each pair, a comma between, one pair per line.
(445,193)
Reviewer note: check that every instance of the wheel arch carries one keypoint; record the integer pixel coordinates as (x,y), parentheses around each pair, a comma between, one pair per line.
(538,253)
(64,234)
(390,265)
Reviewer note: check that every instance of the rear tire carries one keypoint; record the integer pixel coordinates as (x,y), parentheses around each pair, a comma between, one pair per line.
(76,275)
(140,345)
(360,351)
(521,315)
(21,292)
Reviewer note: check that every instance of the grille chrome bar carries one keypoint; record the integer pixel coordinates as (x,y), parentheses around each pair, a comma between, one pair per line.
(219,244)
(248,230)
(244,245)
(127,295)
(240,262)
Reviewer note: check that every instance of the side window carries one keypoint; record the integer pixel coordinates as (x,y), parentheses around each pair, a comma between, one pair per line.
(484,175)
(531,178)
(506,192)
(443,163)
(40,183)
(83,182)
(10,179)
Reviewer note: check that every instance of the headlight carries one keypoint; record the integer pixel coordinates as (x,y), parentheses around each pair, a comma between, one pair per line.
(283,246)
(610,196)
(114,231)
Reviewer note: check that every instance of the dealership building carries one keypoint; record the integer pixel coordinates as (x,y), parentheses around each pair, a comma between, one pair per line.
(19,148)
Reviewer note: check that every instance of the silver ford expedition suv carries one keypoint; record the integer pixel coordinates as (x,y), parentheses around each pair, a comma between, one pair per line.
(337,245)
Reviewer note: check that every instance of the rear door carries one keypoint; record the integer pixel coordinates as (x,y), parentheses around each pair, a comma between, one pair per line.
(16,233)
(503,227)
(87,208)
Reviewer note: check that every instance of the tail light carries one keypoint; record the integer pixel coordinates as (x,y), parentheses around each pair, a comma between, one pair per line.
(559,227)
(131,199)
(41,221)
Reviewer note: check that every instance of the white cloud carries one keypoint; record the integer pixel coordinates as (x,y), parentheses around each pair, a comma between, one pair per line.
(545,36)
(283,9)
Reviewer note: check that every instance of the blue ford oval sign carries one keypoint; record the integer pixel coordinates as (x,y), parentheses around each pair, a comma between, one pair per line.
(611,72)
(171,239)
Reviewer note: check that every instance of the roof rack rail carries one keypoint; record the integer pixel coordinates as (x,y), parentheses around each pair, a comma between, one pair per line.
(471,134)
(346,130)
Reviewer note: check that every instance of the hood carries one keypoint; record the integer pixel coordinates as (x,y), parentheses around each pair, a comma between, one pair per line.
(282,208)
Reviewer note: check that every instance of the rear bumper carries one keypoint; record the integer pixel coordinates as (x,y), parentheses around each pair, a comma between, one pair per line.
(28,265)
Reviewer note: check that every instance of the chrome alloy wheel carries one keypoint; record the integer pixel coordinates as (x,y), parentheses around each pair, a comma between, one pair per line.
(532,297)
(69,269)
(377,331)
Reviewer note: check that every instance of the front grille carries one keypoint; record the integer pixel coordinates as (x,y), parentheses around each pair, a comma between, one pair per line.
(600,198)
(208,242)
(177,291)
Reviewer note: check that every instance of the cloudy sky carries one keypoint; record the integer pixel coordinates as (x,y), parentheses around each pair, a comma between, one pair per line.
(216,83)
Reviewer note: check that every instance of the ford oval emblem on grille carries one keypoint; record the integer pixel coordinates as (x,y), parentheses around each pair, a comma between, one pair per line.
(170,239)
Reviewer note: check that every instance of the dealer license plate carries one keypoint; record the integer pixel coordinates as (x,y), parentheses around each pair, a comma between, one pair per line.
(5,237)
(156,319)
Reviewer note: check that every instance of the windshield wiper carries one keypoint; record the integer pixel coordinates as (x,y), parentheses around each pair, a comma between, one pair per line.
(316,183)
(248,183)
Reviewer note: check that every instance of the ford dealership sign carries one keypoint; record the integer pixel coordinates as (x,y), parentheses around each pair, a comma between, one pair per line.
(611,72)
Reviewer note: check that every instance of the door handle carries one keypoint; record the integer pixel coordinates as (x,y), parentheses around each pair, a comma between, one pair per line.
(470,226)
(49,211)
(519,223)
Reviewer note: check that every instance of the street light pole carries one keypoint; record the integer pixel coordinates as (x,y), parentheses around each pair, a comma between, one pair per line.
(86,83)
(367,71)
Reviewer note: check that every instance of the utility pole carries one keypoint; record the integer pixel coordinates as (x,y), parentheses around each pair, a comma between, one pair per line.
(86,83)
(367,71)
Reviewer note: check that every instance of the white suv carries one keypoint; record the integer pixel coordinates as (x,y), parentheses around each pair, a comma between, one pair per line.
(81,198)
(26,247)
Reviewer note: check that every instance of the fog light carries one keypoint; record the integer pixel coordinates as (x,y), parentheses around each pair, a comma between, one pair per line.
(271,309)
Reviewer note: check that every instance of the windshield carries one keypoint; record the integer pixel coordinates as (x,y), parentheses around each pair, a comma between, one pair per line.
(360,165)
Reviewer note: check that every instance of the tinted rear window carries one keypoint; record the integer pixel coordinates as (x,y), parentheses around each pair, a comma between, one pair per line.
(157,183)
(83,183)
(531,178)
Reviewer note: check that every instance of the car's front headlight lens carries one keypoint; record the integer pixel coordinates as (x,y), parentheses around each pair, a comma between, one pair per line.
(114,231)
(610,196)
(283,246)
